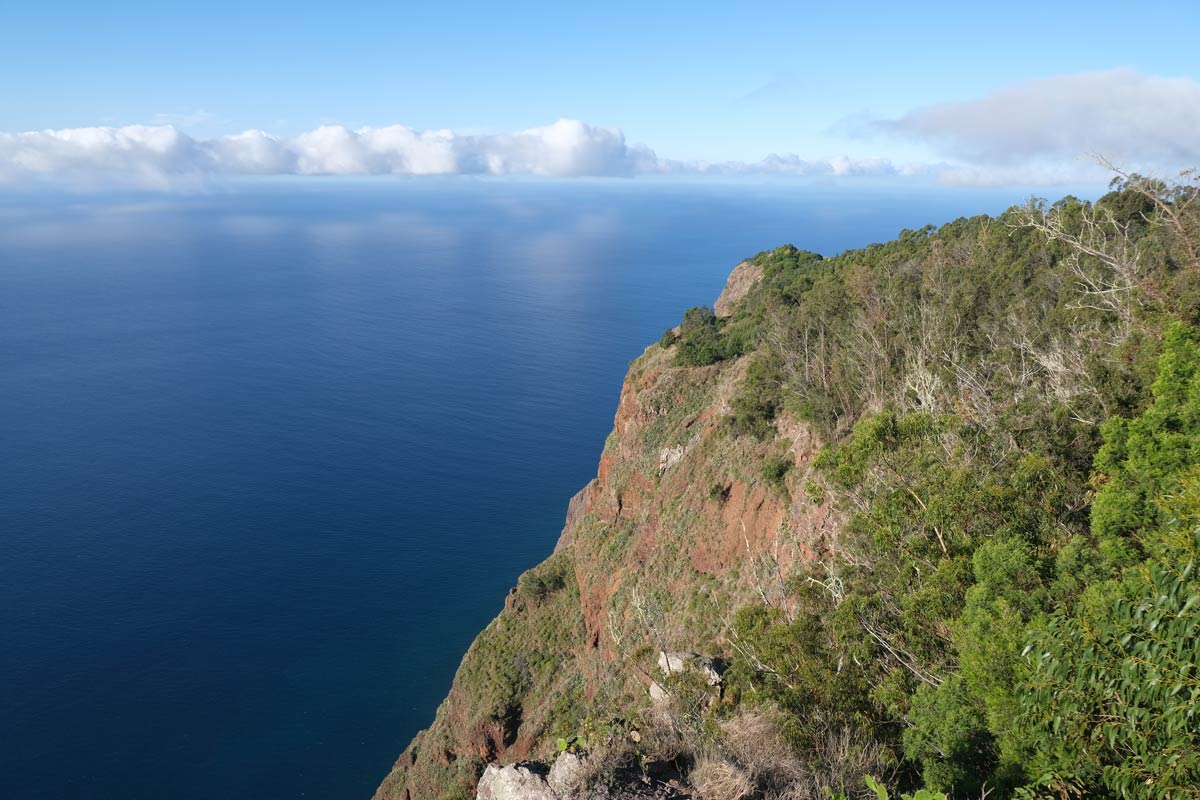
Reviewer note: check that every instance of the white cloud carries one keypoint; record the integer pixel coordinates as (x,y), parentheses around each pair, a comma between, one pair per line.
(154,153)
(1139,121)
(247,153)
(135,149)
(1039,132)
(162,155)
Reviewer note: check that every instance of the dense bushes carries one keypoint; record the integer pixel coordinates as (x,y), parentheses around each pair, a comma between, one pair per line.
(1014,429)
(962,613)
(550,576)
(788,272)
(759,398)
(1112,693)
(704,338)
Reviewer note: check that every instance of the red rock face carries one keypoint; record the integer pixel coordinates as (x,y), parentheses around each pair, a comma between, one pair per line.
(677,501)
(746,525)
(747,520)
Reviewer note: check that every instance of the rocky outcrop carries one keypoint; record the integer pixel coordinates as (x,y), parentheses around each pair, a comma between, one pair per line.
(677,529)
(567,775)
(576,508)
(565,781)
(513,782)
(710,669)
(740,282)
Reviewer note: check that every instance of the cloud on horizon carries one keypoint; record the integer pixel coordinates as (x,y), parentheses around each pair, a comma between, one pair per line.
(1140,121)
(156,153)
(160,154)
(1040,132)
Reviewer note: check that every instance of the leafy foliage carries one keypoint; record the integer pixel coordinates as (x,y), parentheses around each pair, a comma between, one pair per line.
(758,400)
(881,792)
(1012,417)
(704,338)
(1113,692)
(1142,459)
(1011,413)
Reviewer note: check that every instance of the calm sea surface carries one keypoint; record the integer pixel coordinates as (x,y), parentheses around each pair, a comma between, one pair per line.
(270,458)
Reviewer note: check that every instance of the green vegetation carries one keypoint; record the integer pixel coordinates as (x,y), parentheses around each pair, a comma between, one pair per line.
(881,792)
(758,399)
(704,338)
(789,273)
(1008,417)
(1112,692)
(1017,607)
(551,576)
(775,470)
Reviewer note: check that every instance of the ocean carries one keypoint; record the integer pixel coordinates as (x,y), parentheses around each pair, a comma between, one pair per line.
(272,454)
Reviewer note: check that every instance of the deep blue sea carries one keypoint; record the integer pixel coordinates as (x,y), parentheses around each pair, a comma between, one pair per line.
(271,456)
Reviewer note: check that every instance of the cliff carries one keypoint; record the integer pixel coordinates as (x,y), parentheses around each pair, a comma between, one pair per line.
(678,528)
(904,513)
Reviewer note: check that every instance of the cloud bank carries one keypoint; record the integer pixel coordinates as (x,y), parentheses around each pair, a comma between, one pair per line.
(1137,120)
(1034,133)
(157,154)
(568,148)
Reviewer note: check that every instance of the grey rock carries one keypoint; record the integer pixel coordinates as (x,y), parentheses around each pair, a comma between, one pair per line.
(740,282)
(675,663)
(566,775)
(513,782)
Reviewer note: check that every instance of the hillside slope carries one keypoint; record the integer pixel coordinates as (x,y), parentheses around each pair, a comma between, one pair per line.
(923,511)
(678,527)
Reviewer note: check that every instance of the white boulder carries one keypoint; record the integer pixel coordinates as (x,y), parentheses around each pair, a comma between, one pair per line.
(566,775)
(512,782)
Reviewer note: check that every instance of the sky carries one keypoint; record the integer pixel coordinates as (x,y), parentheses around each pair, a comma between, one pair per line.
(974,93)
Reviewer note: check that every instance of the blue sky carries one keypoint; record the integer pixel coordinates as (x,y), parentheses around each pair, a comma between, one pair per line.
(708,82)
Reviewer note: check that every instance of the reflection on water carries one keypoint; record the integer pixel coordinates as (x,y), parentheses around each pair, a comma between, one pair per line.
(274,456)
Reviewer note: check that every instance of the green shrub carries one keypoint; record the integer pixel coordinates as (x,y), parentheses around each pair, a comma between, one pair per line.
(758,400)
(545,579)
(706,339)
(1113,694)
(775,471)
(1142,458)
(789,272)
(881,792)
(1112,691)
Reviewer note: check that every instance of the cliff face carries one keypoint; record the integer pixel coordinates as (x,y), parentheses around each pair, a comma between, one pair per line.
(999,437)
(678,528)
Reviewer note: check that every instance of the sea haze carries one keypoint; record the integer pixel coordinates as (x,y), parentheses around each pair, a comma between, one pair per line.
(273,456)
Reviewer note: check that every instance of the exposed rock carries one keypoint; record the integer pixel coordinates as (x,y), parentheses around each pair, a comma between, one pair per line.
(512,599)
(566,776)
(710,669)
(743,277)
(575,511)
(749,521)
(675,663)
(513,782)
(669,457)
(656,780)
